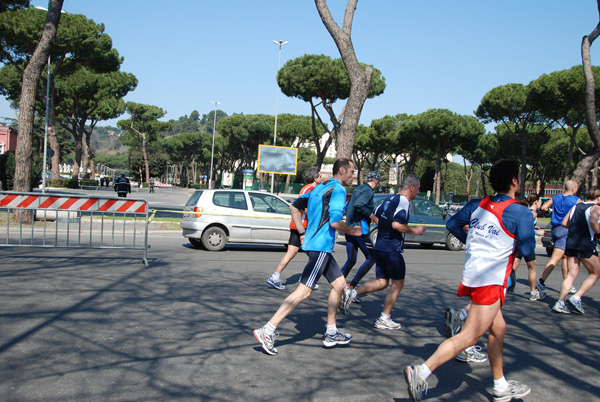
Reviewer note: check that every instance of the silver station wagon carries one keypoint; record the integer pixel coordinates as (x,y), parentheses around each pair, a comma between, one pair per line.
(213,218)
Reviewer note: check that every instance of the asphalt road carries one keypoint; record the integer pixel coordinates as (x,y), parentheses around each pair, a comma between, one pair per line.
(95,325)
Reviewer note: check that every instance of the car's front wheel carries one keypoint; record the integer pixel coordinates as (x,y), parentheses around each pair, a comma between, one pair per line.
(214,239)
(452,243)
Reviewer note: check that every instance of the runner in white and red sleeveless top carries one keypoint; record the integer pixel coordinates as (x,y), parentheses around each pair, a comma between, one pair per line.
(497,225)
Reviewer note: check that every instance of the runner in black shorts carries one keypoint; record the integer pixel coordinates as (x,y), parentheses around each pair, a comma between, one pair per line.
(393,215)
(582,222)
(313,178)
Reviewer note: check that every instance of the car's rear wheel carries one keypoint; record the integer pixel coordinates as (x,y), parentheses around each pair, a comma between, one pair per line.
(373,236)
(195,242)
(452,243)
(214,239)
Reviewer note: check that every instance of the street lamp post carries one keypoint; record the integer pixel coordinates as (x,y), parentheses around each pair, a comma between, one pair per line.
(44,168)
(280,43)
(212,152)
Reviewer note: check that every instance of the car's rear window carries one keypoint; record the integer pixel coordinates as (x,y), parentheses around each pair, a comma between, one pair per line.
(230,199)
(194,199)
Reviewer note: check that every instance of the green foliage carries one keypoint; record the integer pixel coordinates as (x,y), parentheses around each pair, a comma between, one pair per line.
(157,160)
(207,121)
(106,141)
(321,77)
(71,183)
(87,183)
(12,4)
(143,124)
(194,123)
(118,162)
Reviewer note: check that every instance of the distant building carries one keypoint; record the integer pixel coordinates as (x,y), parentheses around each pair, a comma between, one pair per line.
(8,139)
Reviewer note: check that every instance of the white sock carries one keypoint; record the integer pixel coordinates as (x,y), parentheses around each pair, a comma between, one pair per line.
(500,384)
(463,314)
(269,329)
(331,329)
(424,371)
(384,316)
(275,276)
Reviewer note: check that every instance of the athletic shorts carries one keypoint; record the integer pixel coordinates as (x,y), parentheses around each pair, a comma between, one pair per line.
(389,265)
(559,237)
(320,264)
(485,295)
(528,258)
(294,238)
(581,253)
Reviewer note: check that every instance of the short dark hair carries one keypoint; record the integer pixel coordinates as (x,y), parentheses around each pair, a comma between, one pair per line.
(502,174)
(311,174)
(533,197)
(341,163)
(592,193)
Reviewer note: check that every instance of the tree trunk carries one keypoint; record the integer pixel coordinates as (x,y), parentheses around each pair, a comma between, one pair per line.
(438,174)
(78,136)
(31,78)
(85,164)
(89,155)
(523,163)
(360,79)
(52,139)
(570,153)
(584,166)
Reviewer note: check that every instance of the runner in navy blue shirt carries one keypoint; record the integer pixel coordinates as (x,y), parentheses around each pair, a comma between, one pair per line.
(324,207)
(393,215)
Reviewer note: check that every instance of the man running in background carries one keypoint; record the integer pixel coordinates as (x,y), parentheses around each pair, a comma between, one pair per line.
(324,207)
(561,204)
(393,215)
(582,222)
(497,225)
(312,177)
(361,212)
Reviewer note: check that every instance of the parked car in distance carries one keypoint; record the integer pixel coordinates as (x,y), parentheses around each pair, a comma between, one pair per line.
(214,218)
(426,213)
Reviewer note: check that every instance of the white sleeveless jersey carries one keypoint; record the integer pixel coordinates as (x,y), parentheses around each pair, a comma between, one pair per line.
(490,249)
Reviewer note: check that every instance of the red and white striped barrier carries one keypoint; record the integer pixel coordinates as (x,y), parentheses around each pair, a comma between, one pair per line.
(67,203)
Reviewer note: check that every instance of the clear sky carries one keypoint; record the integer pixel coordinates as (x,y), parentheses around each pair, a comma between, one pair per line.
(432,53)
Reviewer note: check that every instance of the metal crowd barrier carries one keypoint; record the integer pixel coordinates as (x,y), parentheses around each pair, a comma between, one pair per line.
(73,221)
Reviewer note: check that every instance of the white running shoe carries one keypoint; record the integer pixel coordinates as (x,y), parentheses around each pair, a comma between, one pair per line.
(416,385)
(472,354)
(275,283)
(513,391)
(388,323)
